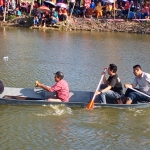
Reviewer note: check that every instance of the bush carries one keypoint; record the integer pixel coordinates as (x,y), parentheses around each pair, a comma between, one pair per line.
(11,17)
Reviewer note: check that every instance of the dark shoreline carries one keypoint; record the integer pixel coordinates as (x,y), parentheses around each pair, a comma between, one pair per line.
(139,26)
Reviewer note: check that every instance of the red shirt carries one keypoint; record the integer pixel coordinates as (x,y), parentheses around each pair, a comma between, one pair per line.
(127,5)
(62,90)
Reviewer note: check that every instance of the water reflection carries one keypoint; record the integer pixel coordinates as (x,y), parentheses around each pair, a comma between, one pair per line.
(36,55)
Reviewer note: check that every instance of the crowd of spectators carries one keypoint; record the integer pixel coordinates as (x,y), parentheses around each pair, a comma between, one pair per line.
(50,18)
(99,9)
(119,9)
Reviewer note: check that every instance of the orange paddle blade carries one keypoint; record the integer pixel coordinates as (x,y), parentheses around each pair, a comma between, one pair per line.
(90,105)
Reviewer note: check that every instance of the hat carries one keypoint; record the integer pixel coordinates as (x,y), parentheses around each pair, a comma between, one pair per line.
(59,74)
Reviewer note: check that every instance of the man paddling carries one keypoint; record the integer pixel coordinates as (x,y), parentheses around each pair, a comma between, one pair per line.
(141,79)
(61,88)
(112,87)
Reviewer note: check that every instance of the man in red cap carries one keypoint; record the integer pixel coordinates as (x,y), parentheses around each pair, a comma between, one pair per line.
(61,88)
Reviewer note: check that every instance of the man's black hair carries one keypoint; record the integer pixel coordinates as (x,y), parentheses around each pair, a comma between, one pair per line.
(137,66)
(113,67)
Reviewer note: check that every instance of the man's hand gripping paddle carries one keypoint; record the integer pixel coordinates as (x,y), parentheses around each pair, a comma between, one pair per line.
(91,104)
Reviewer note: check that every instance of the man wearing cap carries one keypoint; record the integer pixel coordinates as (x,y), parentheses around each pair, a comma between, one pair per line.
(61,88)
(112,88)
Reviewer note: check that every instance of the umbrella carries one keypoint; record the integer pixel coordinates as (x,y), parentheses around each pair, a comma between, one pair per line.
(50,4)
(63,5)
(43,9)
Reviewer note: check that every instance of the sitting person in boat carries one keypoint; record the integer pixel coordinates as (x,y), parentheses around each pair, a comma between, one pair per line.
(112,87)
(61,88)
(141,79)
(1,87)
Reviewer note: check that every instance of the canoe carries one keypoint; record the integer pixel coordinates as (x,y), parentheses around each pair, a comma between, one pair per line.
(29,96)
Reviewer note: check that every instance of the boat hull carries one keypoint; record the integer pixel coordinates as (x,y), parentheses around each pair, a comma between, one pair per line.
(28,96)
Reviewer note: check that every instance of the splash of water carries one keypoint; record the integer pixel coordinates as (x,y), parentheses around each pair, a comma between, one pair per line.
(56,110)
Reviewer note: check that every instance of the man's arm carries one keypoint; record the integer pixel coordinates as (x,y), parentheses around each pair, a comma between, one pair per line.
(129,85)
(104,90)
(47,88)
(104,80)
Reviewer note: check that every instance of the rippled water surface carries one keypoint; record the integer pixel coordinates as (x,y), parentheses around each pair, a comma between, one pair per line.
(36,55)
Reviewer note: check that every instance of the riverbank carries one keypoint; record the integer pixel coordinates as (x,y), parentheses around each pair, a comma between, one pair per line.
(141,26)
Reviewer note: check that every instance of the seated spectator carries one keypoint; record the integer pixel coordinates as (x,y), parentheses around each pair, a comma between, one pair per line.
(99,11)
(108,10)
(76,10)
(54,17)
(126,9)
(35,6)
(1,10)
(82,11)
(47,18)
(145,12)
(36,21)
(53,20)
(63,14)
(138,14)
(71,6)
(132,7)
(131,15)
(92,5)
(104,10)
(119,10)
(43,23)
(18,12)
(90,10)
(39,14)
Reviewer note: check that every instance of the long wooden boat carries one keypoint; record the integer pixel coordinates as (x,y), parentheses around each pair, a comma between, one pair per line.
(29,96)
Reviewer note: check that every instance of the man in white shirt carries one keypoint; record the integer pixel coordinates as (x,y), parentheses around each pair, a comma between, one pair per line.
(142,79)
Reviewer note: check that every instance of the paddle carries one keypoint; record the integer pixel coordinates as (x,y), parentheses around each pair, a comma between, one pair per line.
(91,104)
(36,83)
(139,92)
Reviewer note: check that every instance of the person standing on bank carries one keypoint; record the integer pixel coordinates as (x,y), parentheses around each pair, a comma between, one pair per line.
(112,87)
(141,79)
(61,88)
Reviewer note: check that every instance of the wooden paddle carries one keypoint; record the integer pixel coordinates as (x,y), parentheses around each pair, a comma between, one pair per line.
(139,92)
(91,104)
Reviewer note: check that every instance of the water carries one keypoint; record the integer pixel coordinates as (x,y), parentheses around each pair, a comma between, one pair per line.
(36,55)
